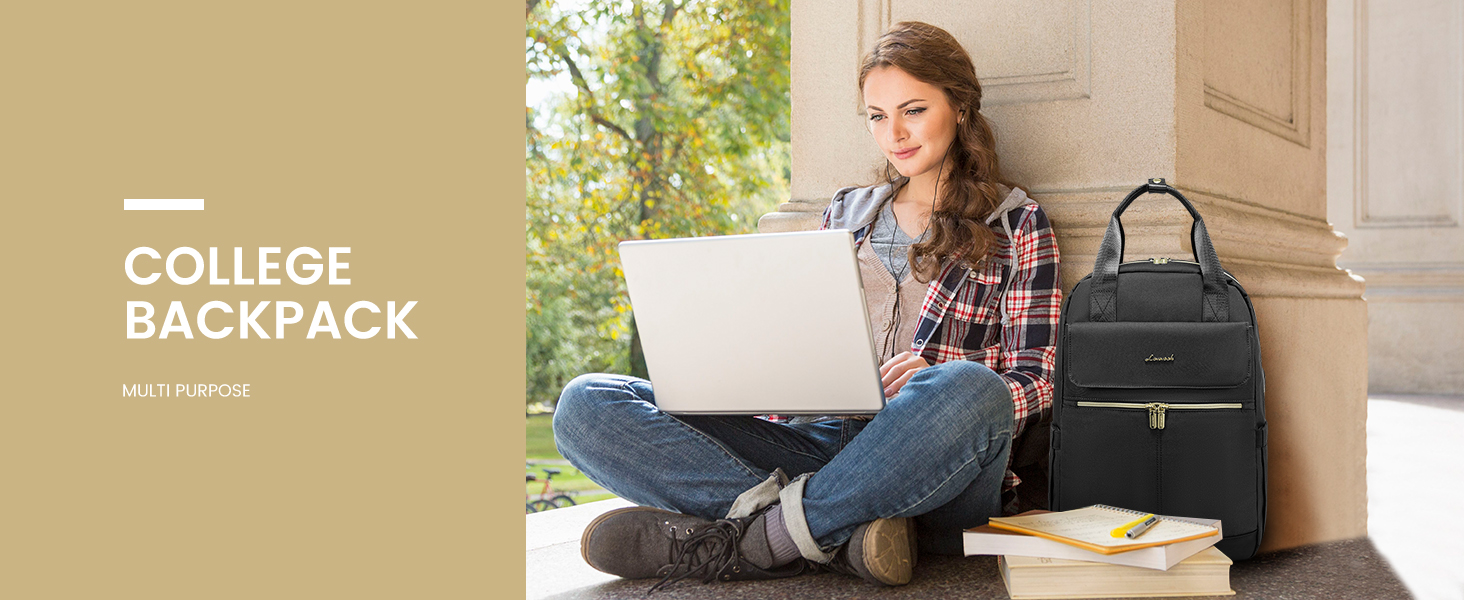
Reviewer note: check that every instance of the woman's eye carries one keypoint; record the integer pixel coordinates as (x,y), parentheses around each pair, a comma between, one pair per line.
(909,113)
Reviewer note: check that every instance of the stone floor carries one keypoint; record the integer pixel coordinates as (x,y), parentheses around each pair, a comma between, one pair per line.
(1415,484)
(1416,544)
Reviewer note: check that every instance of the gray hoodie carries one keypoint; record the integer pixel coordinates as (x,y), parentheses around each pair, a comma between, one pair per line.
(854,208)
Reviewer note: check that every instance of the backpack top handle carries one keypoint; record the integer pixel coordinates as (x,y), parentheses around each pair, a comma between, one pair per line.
(1103,300)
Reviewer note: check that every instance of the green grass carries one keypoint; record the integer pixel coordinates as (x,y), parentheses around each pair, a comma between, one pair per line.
(539,438)
(539,445)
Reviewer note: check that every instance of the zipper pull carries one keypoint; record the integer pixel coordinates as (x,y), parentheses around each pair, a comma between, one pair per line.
(1156,414)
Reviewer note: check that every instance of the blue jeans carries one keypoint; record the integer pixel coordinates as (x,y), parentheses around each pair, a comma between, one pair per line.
(937,452)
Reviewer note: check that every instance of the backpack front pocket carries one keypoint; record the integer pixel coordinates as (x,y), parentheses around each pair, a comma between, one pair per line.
(1208,450)
(1147,355)
(1107,456)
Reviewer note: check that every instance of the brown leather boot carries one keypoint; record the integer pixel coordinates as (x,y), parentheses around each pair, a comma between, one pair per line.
(640,542)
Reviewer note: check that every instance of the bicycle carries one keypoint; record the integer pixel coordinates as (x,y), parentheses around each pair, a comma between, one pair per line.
(545,501)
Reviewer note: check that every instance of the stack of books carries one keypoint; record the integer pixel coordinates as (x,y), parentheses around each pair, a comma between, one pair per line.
(1084,553)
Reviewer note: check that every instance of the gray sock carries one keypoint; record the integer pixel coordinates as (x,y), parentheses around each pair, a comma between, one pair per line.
(781,543)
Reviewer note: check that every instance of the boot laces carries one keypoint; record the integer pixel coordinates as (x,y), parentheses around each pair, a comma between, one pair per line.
(707,552)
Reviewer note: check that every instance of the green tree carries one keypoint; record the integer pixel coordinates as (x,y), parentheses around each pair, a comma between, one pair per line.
(678,126)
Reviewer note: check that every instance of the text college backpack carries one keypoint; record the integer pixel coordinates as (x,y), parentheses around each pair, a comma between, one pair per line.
(1159,394)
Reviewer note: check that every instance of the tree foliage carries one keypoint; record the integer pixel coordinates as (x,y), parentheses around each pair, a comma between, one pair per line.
(677,126)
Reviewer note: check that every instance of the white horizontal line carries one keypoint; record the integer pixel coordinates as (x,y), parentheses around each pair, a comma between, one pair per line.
(162,204)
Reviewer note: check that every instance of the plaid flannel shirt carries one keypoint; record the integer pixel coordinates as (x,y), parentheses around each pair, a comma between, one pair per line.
(961,319)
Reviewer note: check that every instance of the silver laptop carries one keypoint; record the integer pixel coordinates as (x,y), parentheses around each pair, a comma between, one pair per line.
(754,324)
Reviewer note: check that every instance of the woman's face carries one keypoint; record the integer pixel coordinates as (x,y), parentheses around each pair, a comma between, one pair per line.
(912,121)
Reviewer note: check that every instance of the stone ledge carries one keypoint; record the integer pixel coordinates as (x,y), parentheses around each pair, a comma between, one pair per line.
(552,540)
(1343,569)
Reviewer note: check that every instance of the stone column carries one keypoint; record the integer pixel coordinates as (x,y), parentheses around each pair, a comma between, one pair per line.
(1224,98)
(1396,183)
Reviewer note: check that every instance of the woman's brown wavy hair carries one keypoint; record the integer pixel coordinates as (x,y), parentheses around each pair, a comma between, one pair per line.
(958,227)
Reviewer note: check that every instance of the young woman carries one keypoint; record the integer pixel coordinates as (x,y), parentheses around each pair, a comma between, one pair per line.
(961,276)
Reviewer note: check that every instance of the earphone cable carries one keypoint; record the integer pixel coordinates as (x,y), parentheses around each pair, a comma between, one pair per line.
(893,333)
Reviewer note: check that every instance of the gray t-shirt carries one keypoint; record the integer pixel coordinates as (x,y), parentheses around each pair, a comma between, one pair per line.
(891,243)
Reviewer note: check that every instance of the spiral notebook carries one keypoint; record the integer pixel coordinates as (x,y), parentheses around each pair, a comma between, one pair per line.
(1088,528)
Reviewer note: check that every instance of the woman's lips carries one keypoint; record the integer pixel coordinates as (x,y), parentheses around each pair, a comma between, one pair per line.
(903,154)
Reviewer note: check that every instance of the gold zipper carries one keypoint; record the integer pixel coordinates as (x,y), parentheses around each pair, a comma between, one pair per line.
(1157,409)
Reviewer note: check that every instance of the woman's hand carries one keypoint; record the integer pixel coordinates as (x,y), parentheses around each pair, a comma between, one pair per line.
(898,370)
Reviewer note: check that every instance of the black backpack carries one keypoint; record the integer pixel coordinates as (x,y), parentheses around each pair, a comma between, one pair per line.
(1159,398)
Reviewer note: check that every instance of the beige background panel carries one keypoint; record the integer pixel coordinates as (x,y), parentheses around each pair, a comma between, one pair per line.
(359,468)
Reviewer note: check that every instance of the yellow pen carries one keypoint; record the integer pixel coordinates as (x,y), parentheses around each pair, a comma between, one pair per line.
(1135,528)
